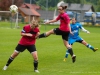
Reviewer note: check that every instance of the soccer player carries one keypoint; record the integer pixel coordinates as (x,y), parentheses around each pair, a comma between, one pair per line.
(29,34)
(63,30)
(76,38)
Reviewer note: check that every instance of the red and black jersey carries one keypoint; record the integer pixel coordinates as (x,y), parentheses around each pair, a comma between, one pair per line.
(64,22)
(26,40)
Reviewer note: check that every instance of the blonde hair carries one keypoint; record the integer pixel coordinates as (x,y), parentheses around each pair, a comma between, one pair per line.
(34,23)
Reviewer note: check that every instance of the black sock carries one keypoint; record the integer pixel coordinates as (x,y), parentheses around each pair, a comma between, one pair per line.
(70,51)
(9,61)
(35,65)
(42,35)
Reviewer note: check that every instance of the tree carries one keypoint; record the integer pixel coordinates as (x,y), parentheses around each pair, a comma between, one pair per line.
(32,1)
(98,6)
(73,1)
(18,2)
(51,3)
(5,4)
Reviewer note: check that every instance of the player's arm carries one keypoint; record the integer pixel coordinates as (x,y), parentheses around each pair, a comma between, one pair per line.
(51,21)
(54,20)
(26,34)
(84,30)
(23,33)
(37,35)
(70,29)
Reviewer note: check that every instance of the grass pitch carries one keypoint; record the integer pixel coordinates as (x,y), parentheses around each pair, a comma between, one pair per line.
(51,52)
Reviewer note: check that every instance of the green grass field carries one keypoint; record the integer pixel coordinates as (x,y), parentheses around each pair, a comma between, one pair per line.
(51,52)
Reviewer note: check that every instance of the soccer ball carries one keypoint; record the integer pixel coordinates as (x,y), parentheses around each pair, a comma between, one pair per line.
(13,9)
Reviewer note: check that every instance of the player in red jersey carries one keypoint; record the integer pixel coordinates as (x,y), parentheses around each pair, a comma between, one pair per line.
(29,34)
(63,30)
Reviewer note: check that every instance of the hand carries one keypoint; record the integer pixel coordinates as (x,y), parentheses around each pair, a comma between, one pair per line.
(71,33)
(47,22)
(28,34)
(88,32)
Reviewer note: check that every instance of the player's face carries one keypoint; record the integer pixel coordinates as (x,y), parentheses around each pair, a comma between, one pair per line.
(32,26)
(60,10)
(73,21)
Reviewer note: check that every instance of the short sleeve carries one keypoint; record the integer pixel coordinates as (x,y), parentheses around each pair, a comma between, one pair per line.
(80,26)
(37,30)
(23,30)
(58,18)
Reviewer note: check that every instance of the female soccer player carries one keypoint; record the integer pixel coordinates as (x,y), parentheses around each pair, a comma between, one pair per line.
(76,38)
(29,34)
(63,30)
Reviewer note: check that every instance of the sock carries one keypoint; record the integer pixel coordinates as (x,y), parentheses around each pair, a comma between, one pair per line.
(35,65)
(42,35)
(9,61)
(67,53)
(70,51)
(91,47)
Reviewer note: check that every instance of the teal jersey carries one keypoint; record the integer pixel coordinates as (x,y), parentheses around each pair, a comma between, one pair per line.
(75,30)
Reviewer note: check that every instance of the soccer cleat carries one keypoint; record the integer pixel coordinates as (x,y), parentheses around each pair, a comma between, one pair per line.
(73,58)
(36,71)
(95,49)
(5,67)
(65,59)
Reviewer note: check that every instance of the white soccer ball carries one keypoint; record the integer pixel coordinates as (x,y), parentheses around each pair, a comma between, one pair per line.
(13,9)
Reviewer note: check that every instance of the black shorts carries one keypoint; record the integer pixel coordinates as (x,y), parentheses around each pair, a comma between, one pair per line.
(21,48)
(64,34)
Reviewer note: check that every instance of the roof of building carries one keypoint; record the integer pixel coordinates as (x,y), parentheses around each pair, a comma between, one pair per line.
(28,11)
(78,7)
(32,6)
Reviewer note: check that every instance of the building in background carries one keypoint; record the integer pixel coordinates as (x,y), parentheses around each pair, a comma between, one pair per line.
(79,8)
(29,11)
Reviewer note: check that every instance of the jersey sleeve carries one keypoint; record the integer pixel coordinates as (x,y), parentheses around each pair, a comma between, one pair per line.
(38,30)
(80,26)
(23,30)
(58,18)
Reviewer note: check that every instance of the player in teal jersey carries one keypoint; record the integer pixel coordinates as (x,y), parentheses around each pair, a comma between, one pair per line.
(76,38)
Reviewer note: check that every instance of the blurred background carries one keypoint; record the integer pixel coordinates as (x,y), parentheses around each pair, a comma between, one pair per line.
(85,11)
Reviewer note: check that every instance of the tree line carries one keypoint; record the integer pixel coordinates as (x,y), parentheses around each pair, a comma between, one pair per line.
(4,4)
(53,3)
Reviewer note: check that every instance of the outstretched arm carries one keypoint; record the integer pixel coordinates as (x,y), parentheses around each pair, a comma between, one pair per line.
(84,30)
(51,21)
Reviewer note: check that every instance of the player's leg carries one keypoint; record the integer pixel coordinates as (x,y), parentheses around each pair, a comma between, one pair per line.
(35,56)
(18,49)
(70,50)
(32,50)
(46,34)
(65,41)
(89,46)
(70,41)
(56,31)
(10,60)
